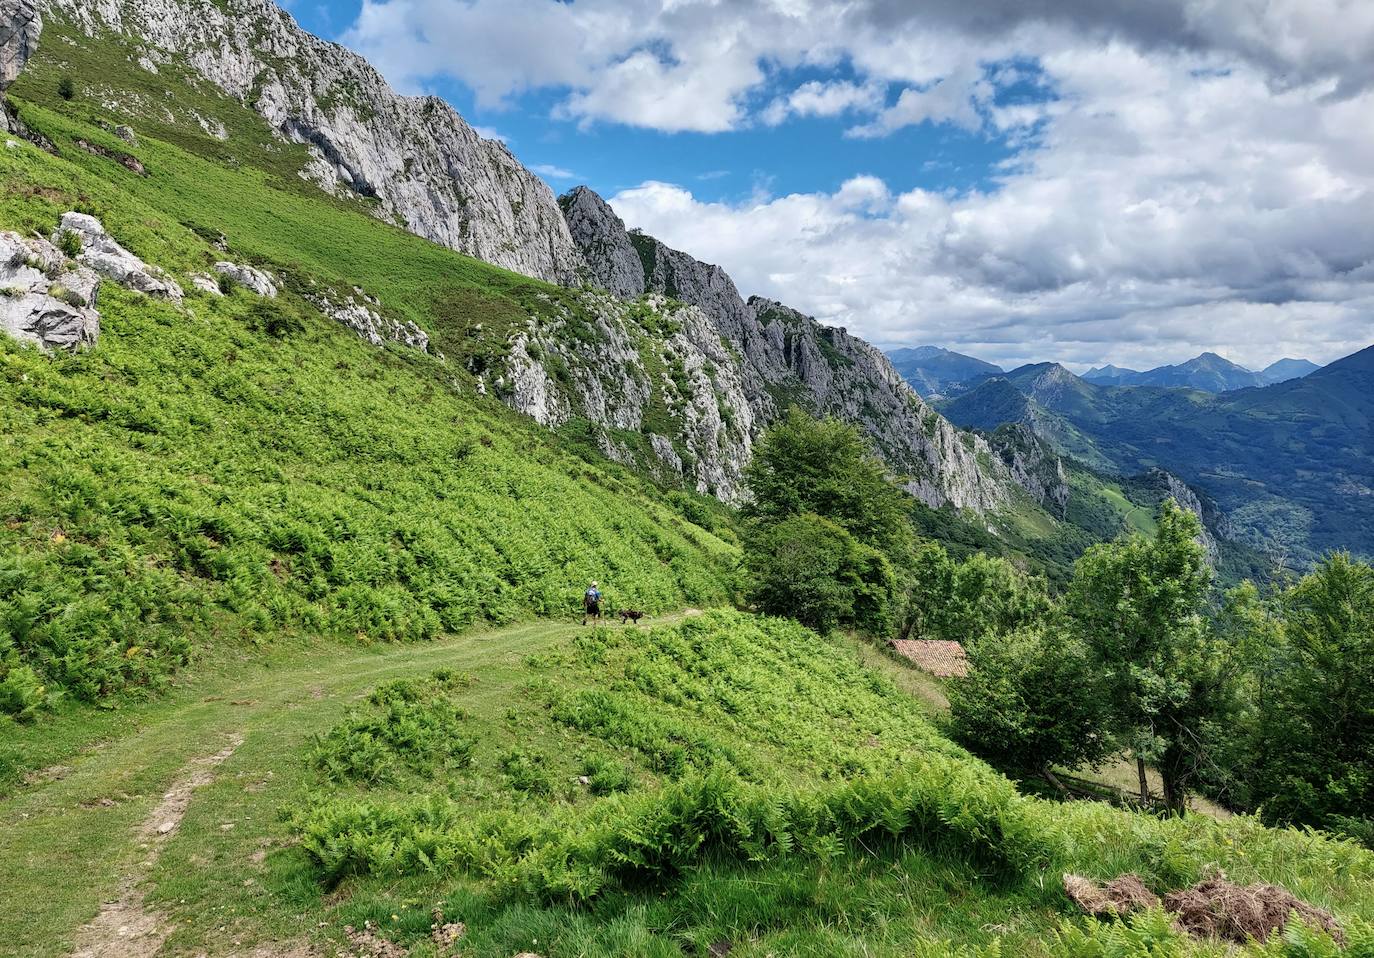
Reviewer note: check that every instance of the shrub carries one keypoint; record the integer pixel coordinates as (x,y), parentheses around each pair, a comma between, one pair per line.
(825,467)
(274,318)
(650,838)
(227,284)
(1032,701)
(22,694)
(412,725)
(66,87)
(1312,752)
(606,776)
(525,771)
(69,242)
(964,601)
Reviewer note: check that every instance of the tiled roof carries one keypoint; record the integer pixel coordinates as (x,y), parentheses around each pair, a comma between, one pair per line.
(942,658)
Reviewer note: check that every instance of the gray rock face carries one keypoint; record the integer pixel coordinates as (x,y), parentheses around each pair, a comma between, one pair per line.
(264,284)
(417,158)
(612,262)
(1034,466)
(672,400)
(20,26)
(1214,522)
(44,299)
(685,373)
(101,253)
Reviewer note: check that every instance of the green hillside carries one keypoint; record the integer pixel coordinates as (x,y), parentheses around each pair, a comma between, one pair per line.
(195,479)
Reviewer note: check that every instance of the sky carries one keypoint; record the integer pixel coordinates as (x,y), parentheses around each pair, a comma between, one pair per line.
(1085,181)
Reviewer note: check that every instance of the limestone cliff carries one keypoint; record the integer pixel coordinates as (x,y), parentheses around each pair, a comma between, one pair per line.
(416,159)
(20,26)
(1034,465)
(672,364)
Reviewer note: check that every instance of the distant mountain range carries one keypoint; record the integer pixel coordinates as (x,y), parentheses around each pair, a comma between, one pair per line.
(1208,372)
(938,373)
(1291,464)
(932,371)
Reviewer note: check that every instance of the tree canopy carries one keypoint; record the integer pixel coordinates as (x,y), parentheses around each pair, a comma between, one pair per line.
(825,467)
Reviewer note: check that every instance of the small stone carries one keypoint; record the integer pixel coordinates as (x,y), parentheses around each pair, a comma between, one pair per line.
(166,827)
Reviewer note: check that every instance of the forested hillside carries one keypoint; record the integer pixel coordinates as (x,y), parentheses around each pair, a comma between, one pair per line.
(1288,464)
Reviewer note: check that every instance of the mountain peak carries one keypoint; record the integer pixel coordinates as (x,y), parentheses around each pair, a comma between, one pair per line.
(1209,360)
(935,372)
(1286,369)
(607,250)
(413,159)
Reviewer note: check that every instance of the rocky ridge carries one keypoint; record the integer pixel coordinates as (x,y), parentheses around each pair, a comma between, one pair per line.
(415,159)
(674,353)
(675,368)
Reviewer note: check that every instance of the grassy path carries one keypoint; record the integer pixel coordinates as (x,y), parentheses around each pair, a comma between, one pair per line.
(71,842)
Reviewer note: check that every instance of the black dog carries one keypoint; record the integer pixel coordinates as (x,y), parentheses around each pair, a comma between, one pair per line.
(630,615)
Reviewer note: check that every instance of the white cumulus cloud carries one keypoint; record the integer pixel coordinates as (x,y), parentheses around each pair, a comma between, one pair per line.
(1186,174)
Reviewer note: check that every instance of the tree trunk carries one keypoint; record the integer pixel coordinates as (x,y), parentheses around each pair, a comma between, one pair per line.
(1053,780)
(1144,782)
(1171,771)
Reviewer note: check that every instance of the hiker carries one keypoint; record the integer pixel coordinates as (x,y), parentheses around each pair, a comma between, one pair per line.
(591,603)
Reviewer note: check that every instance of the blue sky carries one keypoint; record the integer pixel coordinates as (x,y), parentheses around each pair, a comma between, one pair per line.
(1087,181)
(803,155)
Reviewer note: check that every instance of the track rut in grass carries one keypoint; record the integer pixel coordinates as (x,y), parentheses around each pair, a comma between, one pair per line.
(125,928)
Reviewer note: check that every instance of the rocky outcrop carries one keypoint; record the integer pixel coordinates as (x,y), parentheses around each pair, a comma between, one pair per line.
(368,323)
(600,235)
(207,284)
(264,284)
(1215,525)
(44,298)
(100,252)
(415,158)
(831,373)
(1034,465)
(20,26)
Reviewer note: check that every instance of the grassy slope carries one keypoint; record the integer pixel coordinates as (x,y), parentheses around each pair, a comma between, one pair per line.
(792,714)
(195,481)
(813,723)
(244,188)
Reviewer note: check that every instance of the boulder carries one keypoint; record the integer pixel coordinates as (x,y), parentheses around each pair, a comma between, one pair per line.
(246,276)
(44,299)
(206,284)
(101,253)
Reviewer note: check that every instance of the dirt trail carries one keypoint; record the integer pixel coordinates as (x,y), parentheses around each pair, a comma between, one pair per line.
(125,928)
(73,808)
